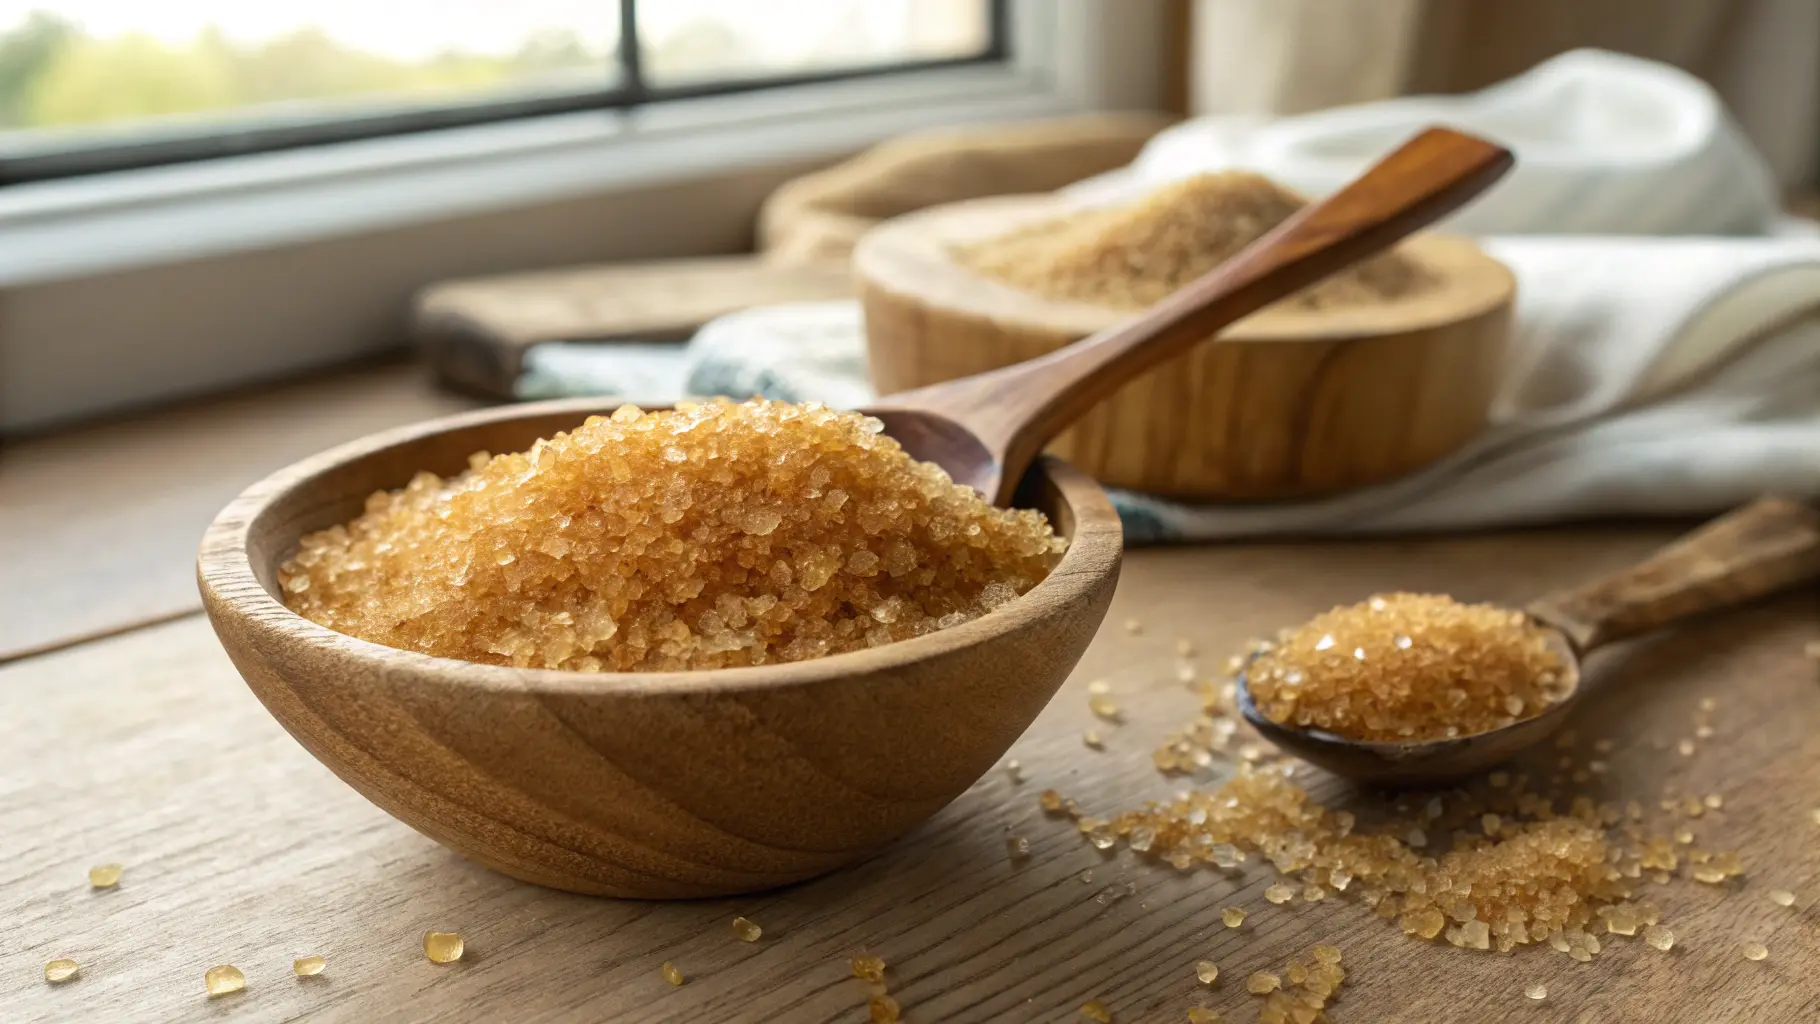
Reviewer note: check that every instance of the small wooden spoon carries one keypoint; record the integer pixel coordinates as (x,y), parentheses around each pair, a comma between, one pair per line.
(1766,546)
(985,430)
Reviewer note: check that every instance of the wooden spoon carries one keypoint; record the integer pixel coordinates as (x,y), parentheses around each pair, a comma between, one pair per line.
(986,429)
(1766,546)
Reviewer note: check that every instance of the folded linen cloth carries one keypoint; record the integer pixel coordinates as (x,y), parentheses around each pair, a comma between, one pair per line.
(1607,144)
(1670,375)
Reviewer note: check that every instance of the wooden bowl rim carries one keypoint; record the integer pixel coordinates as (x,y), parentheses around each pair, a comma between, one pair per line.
(1485,284)
(231,588)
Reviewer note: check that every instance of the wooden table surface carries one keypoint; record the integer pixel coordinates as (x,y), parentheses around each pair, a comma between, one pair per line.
(143,747)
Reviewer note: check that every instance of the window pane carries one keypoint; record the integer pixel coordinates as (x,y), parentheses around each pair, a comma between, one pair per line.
(88,66)
(690,41)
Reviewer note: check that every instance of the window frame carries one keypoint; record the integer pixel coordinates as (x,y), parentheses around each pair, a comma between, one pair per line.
(140,287)
(51,155)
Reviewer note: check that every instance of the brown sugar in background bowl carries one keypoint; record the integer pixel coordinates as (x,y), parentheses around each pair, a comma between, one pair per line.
(653,785)
(1291,403)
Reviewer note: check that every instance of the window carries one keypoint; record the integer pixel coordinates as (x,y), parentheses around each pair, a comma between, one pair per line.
(88,86)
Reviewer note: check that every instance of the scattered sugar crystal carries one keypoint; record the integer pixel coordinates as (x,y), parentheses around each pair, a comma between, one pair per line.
(105,876)
(1104,707)
(1713,800)
(223,980)
(1755,951)
(1099,687)
(1782,897)
(308,966)
(869,968)
(1659,937)
(883,1009)
(783,533)
(1279,893)
(746,930)
(1096,1011)
(1202,1015)
(1233,916)
(1536,991)
(1685,747)
(1015,771)
(1133,627)
(1263,983)
(1017,846)
(1704,732)
(1312,893)
(1091,738)
(1049,800)
(1468,667)
(672,974)
(444,947)
(1207,971)
(59,971)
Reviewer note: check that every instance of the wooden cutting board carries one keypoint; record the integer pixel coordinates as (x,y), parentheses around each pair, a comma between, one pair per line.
(474,333)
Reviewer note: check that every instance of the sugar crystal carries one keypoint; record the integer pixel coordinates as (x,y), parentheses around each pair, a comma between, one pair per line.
(784,533)
(1755,951)
(746,930)
(883,1009)
(1659,937)
(308,966)
(1207,971)
(59,971)
(444,947)
(1782,897)
(1263,983)
(1536,991)
(1096,1011)
(1233,916)
(105,876)
(868,968)
(223,980)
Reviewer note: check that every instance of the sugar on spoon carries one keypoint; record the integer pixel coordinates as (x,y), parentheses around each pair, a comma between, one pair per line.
(1769,545)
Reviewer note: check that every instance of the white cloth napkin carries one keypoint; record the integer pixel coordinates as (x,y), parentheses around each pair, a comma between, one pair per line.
(1671,375)
(1607,144)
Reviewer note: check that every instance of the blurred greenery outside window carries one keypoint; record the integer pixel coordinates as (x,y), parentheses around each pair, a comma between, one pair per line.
(79,73)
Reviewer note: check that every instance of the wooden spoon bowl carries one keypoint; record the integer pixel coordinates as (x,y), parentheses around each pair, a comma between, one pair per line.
(642,784)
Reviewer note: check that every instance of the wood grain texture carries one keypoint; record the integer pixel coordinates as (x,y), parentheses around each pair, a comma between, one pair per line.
(1289,403)
(1759,549)
(98,525)
(240,848)
(648,784)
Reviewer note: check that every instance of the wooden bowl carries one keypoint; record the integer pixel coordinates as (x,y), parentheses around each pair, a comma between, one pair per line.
(642,784)
(1292,403)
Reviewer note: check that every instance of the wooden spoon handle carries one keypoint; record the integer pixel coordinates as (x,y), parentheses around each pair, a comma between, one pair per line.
(1016,411)
(1768,545)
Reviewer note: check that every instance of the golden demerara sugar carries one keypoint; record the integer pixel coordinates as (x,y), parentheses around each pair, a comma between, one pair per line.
(715,535)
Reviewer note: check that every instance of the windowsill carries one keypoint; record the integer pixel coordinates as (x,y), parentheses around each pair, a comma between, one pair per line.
(127,290)
(102,223)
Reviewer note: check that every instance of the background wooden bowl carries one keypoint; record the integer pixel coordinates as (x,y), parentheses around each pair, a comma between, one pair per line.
(1291,404)
(642,784)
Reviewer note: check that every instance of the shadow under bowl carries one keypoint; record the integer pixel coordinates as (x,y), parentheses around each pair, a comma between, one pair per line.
(648,784)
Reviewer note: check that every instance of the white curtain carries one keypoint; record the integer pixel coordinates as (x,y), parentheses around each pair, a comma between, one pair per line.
(1289,56)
